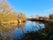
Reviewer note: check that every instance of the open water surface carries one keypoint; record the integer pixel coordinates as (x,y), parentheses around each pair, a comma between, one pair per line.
(20,30)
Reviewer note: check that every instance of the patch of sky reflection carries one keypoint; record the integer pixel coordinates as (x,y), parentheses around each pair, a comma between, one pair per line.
(33,26)
(30,26)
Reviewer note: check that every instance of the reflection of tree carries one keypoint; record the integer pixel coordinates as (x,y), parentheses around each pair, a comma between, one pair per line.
(23,19)
(22,25)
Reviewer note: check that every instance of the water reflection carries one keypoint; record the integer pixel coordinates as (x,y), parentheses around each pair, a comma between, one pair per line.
(7,27)
(29,26)
(19,30)
(22,25)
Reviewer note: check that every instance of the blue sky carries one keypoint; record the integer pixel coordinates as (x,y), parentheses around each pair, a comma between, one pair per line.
(33,7)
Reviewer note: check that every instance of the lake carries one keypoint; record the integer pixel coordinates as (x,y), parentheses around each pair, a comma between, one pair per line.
(21,29)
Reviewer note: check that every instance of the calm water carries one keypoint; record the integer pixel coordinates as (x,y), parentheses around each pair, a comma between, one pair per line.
(24,28)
